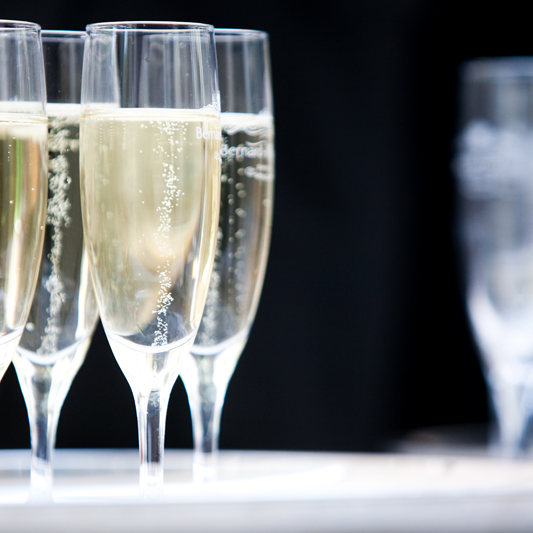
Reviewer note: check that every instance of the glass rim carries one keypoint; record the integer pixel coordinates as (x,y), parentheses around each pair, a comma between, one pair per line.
(147,26)
(497,67)
(237,32)
(6,24)
(55,34)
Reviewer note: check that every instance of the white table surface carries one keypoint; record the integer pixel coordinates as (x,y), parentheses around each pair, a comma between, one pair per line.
(96,491)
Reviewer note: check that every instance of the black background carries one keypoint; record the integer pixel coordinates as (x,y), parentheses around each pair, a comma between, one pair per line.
(360,336)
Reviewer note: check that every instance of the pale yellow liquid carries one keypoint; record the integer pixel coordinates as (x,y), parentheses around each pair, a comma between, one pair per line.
(243,239)
(150,183)
(23,191)
(63,313)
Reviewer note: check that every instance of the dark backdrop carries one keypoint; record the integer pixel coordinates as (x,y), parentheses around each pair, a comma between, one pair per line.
(360,336)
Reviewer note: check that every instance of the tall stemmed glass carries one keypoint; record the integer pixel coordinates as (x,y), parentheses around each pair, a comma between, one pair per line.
(63,314)
(495,173)
(22,177)
(243,235)
(150,178)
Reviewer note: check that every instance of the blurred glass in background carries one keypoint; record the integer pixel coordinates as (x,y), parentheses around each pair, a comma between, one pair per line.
(494,167)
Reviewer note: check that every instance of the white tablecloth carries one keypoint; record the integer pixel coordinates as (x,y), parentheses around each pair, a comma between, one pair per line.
(96,491)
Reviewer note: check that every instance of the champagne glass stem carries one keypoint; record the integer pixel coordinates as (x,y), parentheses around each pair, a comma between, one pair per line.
(44,404)
(151,417)
(206,409)
(511,407)
(207,379)
(43,424)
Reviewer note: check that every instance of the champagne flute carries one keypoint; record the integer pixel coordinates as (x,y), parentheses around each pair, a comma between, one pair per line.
(494,166)
(243,235)
(22,176)
(150,179)
(63,313)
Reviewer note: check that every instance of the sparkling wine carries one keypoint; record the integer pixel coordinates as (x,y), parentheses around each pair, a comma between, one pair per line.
(147,175)
(243,234)
(63,312)
(22,211)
